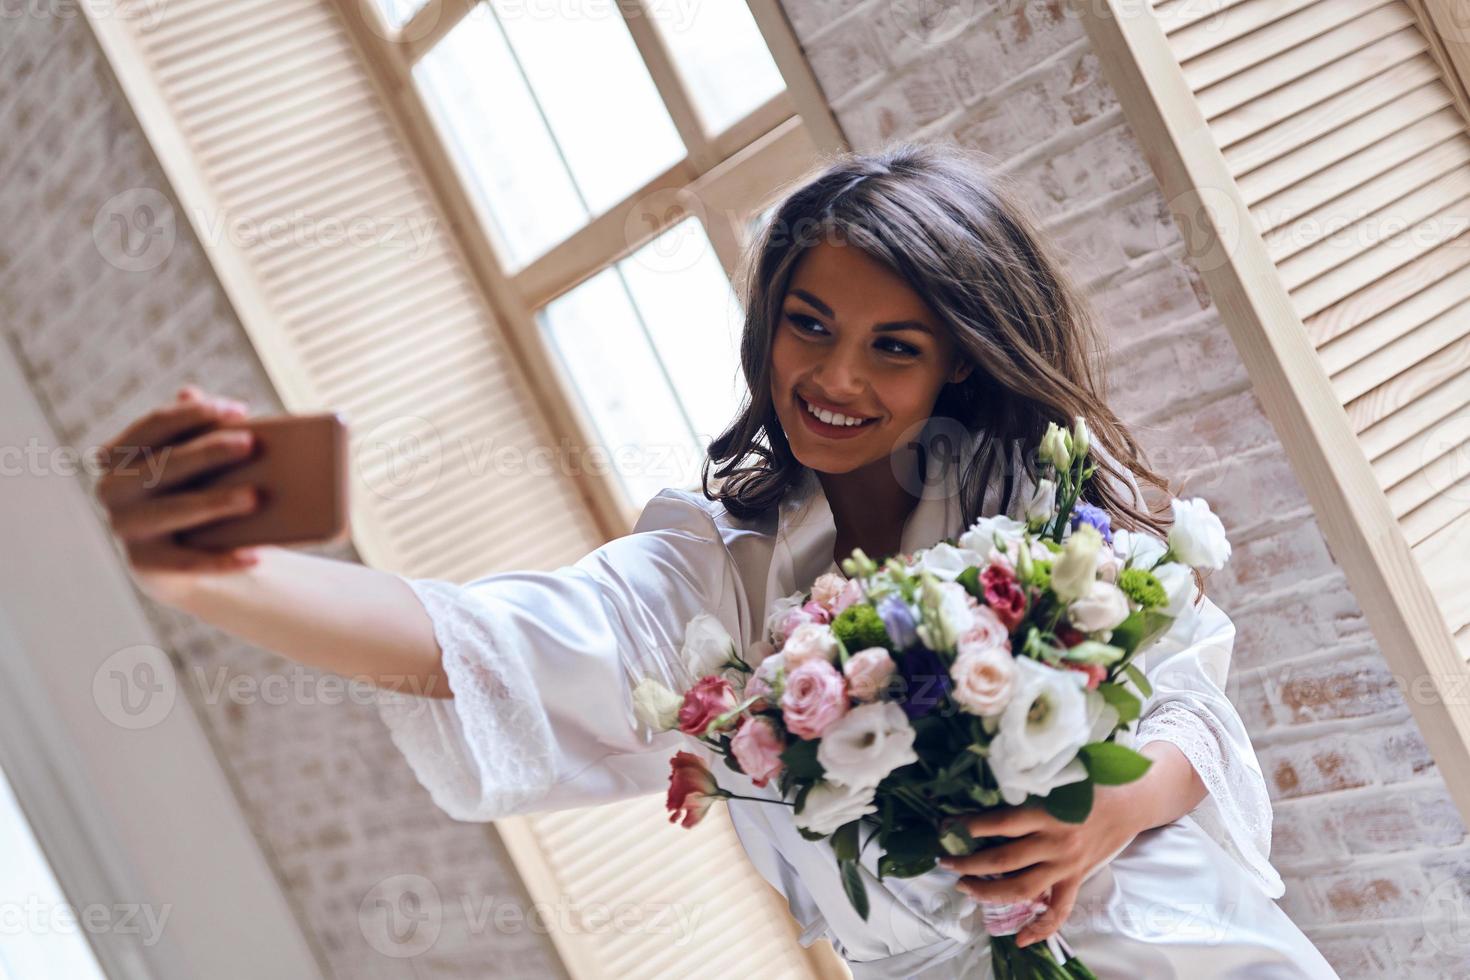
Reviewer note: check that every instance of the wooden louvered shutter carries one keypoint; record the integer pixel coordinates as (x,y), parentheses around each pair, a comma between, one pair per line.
(1317,152)
(261,112)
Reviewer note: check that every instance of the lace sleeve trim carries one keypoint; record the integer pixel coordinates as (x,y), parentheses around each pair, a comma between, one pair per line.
(1236,811)
(488,752)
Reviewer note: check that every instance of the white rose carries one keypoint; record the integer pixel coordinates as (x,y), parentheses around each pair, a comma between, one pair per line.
(1102,607)
(827,587)
(809,641)
(1197,536)
(946,614)
(1040,731)
(708,649)
(946,561)
(829,805)
(866,744)
(981,536)
(983,677)
(764,680)
(1043,502)
(655,705)
(1075,569)
(1178,583)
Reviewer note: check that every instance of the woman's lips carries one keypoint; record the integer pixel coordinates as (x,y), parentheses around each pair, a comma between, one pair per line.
(828,430)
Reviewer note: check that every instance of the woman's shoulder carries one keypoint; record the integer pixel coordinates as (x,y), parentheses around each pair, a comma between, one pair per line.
(676,507)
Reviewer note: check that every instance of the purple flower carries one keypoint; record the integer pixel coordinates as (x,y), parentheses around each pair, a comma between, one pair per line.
(898,621)
(925,681)
(1084,513)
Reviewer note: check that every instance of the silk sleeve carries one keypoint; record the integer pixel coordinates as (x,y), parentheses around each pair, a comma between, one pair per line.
(542,665)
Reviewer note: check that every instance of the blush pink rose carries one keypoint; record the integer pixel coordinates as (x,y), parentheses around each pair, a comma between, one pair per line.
(711,697)
(983,678)
(757,746)
(810,641)
(827,587)
(793,620)
(868,672)
(814,698)
(817,612)
(851,592)
(987,633)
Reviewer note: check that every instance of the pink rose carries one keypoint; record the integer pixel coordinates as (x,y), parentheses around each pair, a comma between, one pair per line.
(711,697)
(815,697)
(1096,673)
(851,592)
(762,683)
(987,633)
(817,612)
(983,677)
(827,587)
(868,672)
(810,641)
(757,746)
(1003,594)
(794,619)
(692,789)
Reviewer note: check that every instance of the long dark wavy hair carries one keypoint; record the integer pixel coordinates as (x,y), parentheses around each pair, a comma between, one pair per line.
(955,230)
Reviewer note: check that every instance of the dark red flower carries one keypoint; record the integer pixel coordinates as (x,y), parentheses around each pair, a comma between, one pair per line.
(1003,594)
(692,789)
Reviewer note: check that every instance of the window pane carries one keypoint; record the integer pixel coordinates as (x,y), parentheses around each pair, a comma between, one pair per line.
(59,947)
(695,321)
(652,346)
(602,106)
(398,12)
(722,56)
(496,133)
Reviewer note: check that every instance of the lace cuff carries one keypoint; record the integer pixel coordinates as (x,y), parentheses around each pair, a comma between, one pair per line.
(1236,810)
(488,752)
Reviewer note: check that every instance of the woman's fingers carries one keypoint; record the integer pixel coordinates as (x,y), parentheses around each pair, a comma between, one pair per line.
(160,515)
(162,555)
(1059,909)
(1027,884)
(133,458)
(201,454)
(1020,853)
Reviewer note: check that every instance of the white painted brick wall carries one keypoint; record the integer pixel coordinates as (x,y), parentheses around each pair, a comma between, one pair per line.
(333,803)
(1369,843)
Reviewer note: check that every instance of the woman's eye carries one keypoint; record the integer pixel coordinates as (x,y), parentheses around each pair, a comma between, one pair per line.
(899,347)
(811,327)
(802,322)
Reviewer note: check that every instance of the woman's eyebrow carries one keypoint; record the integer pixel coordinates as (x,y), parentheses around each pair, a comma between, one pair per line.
(826,310)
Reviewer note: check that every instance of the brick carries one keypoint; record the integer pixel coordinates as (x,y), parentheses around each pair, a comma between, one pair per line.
(1278,560)
(1351,685)
(1383,893)
(846,57)
(1097,166)
(1186,369)
(1307,768)
(1301,833)
(1294,625)
(1399,821)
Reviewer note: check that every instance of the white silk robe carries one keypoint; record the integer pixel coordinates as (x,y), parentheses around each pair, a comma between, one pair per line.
(542,664)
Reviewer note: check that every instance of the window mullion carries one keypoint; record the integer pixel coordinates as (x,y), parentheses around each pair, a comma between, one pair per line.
(429,26)
(670,84)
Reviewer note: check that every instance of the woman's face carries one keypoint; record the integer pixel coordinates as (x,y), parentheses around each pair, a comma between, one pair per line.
(853,338)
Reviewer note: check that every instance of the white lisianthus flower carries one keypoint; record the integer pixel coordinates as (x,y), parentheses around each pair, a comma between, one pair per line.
(1043,502)
(655,705)
(1081,437)
(829,805)
(1056,446)
(809,641)
(1075,569)
(946,561)
(778,612)
(946,614)
(1141,548)
(1102,607)
(1178,583)
(981,536)
(1049,718)
(1197,537)
(866,744)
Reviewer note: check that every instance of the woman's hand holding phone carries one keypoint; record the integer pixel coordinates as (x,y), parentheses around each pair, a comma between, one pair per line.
(143,488)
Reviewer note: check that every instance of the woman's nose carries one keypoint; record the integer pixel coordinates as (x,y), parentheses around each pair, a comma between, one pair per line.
(839,377)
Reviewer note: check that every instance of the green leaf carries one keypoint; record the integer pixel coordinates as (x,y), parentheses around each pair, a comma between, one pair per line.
(1140,629)
(1111,764)
(1070,803)
(852,884)
(970,579)
(1122,700)
(845,841)
(801,759)
(1144,687)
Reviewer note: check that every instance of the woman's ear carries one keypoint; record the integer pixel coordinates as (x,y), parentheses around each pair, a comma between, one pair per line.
(961,371)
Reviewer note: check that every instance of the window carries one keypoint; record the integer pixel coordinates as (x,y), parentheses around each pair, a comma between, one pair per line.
(614,198)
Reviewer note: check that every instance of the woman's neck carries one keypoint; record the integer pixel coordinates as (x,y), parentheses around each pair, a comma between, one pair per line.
(870,505)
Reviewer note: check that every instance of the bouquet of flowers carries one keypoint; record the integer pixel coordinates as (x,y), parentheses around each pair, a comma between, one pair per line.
(998,666)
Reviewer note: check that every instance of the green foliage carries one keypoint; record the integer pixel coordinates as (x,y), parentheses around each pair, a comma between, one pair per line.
(859,627)
(1111,764)
(852,884)
(1143,587)
(1140,629)
(1070,803)
(1122,700)
(801,759)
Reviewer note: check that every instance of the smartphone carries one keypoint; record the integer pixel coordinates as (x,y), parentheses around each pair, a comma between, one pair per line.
(298,466)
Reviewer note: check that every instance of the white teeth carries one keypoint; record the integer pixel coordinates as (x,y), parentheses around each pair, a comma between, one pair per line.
(831,418)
